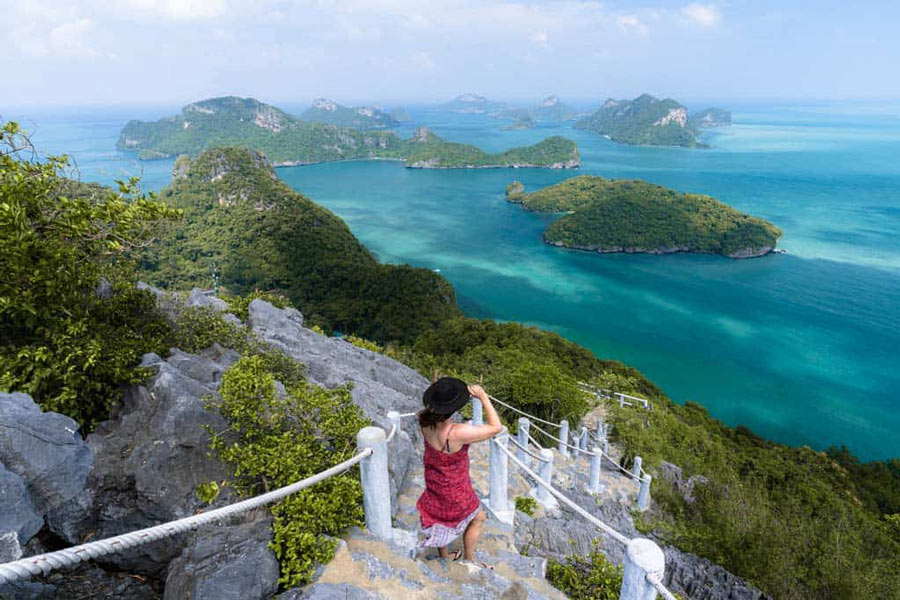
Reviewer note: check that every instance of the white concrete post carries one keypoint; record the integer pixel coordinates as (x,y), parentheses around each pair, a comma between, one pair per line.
(545,473)
(477,415)
(601,430)
(524,428)
(373,473)
(636,467)
(643,499)
(583,438)
(563,437)
(394,417)
(621,400)
(498,501)
(594,482)
(641,557)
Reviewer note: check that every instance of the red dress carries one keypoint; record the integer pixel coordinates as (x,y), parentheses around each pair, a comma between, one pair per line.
(449,503)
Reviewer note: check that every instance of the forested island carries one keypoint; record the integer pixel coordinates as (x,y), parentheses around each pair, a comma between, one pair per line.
(361,117)
(288,141)
(634,216)
(649,121)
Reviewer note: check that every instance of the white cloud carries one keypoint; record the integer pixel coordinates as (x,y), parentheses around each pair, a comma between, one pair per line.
(541,38)
(176,10)
(704,15)
(632,23)
(69,40)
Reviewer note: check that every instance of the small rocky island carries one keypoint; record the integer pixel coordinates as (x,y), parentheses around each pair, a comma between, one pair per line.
(634,216)
(650,121)
(289,141)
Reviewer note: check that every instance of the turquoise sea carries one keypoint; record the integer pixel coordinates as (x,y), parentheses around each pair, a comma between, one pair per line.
(803,348)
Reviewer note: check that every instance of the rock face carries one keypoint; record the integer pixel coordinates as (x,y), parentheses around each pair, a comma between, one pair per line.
(232,562)
(379,383)
(43,452)
(18,517)
(150,460)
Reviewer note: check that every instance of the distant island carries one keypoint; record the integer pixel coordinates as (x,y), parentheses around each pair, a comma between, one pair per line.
(648,121)
(361,117)
(634,216)
(288,141)
(472,104)
(399,114)
(552,108)
(711,117)
(520,124)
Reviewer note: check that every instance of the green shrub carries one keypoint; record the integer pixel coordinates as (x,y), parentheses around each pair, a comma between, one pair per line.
(586,578)
(275,440)
(526,504)
(208,492)
(239,305)
(363,343)
(68,345)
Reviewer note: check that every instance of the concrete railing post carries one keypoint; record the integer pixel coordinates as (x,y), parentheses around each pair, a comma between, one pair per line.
(643,499)
(583,439)
(498,501)
(563,437)
(394,418)
(524,428)
(641,557)
(546,473)
(477,414)
(601,430)
(636,467)
(594,482)
(373,473)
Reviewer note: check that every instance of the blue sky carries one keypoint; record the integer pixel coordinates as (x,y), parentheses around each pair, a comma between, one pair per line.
(69,52)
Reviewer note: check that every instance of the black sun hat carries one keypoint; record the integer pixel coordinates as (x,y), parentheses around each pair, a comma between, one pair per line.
(446,395)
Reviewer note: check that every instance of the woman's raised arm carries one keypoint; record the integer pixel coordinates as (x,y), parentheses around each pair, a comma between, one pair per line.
(469,434)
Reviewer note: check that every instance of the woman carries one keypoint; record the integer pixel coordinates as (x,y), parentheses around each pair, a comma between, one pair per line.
(449,507)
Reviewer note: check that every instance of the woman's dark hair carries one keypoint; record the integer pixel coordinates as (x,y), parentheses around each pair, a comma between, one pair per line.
(429,418)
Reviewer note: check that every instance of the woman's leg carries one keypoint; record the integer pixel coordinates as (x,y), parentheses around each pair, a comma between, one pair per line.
(473,532)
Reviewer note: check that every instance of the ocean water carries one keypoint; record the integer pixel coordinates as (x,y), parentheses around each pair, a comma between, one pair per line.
(802,347)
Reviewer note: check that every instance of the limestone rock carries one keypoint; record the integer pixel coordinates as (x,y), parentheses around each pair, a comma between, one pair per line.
(226,562)
(151,459)
(329,591)
(18,517)
(10,550)
(199,299)
(44,449)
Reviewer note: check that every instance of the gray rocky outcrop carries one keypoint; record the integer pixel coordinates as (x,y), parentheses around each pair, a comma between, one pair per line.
(379,383)
(230,562)
(44,449)
(199,299)
(19,516)
(150,459)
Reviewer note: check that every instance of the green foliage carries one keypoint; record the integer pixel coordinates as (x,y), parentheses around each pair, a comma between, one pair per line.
(332,113)
(66,340)
(427,150)
(526,504)
(641,121)
(274,440)
(788,519)
(239,305)
(586,578)
(250,124)
(208,492)
(611,215)
(363,343)
(260,234)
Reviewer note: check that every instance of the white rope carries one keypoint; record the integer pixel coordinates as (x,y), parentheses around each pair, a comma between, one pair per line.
(390,436)
(409,414)
(553,437)
(535,442)
(523,413)
(591,518)
(656,581)
(44,563)
(617,465)
(526,450)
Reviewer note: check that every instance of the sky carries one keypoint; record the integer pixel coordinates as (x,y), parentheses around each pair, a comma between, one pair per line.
(172,52)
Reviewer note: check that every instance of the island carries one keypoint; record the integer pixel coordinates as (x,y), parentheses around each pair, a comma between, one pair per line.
(711,117)
(520,124)
(361,117)
(289,141)
(634,216)
(472,104)
(400,114)
(643,121)
(553,109)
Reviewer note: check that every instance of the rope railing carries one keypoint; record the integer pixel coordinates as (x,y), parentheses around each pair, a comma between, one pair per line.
(522,412)
(44,563)
(553,437)
(562,497)
(656,581)
(526,450)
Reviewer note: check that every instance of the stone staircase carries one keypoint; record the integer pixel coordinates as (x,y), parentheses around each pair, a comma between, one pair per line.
(367,568)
